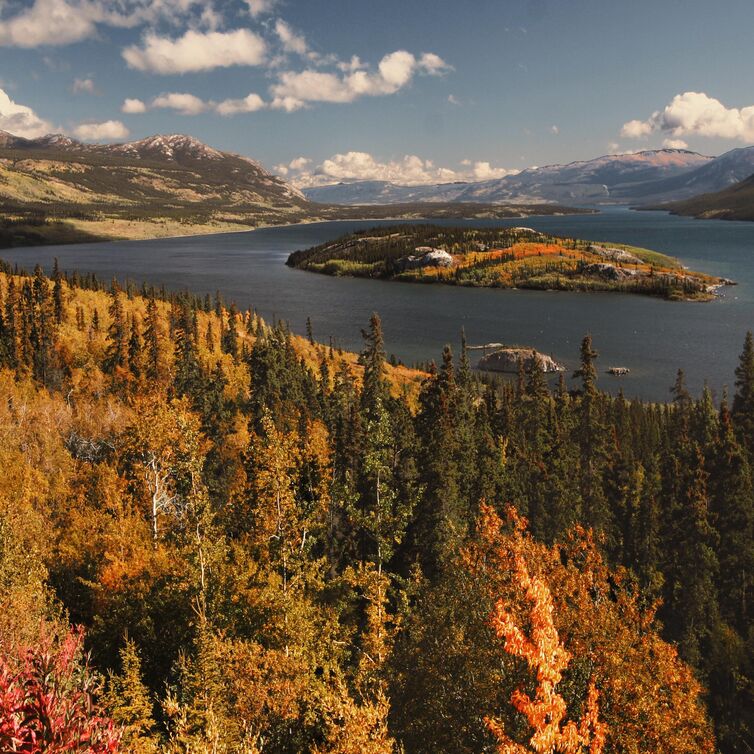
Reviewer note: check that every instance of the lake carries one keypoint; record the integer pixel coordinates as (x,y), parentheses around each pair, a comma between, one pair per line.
(650,336)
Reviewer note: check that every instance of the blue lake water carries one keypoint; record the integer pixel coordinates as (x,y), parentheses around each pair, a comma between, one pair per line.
(650,336)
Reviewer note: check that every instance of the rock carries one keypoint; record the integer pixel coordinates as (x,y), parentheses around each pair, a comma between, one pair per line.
(617,255)
(426,257)
(607,271)
(618,371)
(506,360)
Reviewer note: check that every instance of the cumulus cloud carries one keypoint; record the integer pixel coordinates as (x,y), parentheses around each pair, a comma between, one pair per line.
(295,89)
(63,22)
(483,171)
(84,86)
(133,106)
(182,102)
(409,170)
(109,130)
(21,120)
(196,51)
(675,144)
(185,103)
(291,41)
(249,104)
(47,22)
(636,129)
(696,113)
(260,7)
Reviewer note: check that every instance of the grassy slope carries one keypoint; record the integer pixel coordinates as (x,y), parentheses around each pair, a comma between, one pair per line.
(514,259)
(733,203)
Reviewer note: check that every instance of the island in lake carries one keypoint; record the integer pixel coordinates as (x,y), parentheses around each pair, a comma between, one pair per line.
(504,258)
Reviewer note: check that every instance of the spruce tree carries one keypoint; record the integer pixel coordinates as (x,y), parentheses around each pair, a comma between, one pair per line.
(127,700)
(116,354)
(743,401)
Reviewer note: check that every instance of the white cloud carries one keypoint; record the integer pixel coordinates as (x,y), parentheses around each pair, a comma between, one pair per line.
(409,170)
(21,120)
(433,64)
(182,102)
(554,130)
(675,144)
(395,71)
(133,106)
(110,130)
(299,164)
(47,22)
(483,171)
(636,129)
(354,64)
(291,41)
(249,104)
(260,7)
(696,113)
(453,100)
(196,51)
(185,103)
(84,86)
(63,22)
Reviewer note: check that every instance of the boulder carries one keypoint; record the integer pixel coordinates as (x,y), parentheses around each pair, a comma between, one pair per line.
(506,360)
(607,271)
(426,256)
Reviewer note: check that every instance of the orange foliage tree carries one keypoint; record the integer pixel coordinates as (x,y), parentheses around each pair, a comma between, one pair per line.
(578,627)
(547,657)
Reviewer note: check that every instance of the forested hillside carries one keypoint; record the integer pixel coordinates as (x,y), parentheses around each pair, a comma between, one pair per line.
(266,545)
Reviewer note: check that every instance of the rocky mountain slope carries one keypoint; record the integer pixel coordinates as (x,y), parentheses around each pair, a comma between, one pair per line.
(734,203)
(174,172)
(652,175)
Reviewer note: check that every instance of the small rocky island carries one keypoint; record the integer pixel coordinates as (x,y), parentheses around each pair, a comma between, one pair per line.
(508,360)
(516,257)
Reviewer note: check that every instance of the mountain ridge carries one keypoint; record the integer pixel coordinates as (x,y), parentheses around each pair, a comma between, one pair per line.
(733,203)
(630,178)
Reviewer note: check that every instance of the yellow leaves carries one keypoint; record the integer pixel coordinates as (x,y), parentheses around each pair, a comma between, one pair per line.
(354,728)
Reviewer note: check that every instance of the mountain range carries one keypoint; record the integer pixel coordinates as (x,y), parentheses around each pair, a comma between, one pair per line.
(647,176)
(55,189)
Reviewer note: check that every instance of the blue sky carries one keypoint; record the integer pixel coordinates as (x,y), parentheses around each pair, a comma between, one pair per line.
(413,91)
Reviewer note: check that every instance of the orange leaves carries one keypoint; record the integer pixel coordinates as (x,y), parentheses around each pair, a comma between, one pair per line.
(542,650)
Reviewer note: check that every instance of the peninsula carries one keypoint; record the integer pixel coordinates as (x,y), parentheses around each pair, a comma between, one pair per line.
(514,257)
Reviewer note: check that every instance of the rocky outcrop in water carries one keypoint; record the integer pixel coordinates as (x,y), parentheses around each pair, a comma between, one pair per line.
(506,360)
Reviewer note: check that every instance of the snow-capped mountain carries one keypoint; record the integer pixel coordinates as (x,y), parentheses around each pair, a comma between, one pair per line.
(651,175)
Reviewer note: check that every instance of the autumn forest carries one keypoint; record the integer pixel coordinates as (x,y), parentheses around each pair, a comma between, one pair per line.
(217,536)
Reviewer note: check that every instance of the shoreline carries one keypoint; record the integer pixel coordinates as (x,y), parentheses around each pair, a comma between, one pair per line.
(262,226)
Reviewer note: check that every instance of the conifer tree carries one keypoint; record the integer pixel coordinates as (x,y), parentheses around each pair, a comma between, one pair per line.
(127,700)
(116,355)
(743,401)
(733,505)
(152,342)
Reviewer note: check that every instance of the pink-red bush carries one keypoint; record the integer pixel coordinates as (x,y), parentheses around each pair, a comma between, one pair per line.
(47,700)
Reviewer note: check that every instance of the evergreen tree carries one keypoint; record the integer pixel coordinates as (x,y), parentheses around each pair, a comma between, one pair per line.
(743,401)
(152,342)
(127,700)
(116,355)
(230,335)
